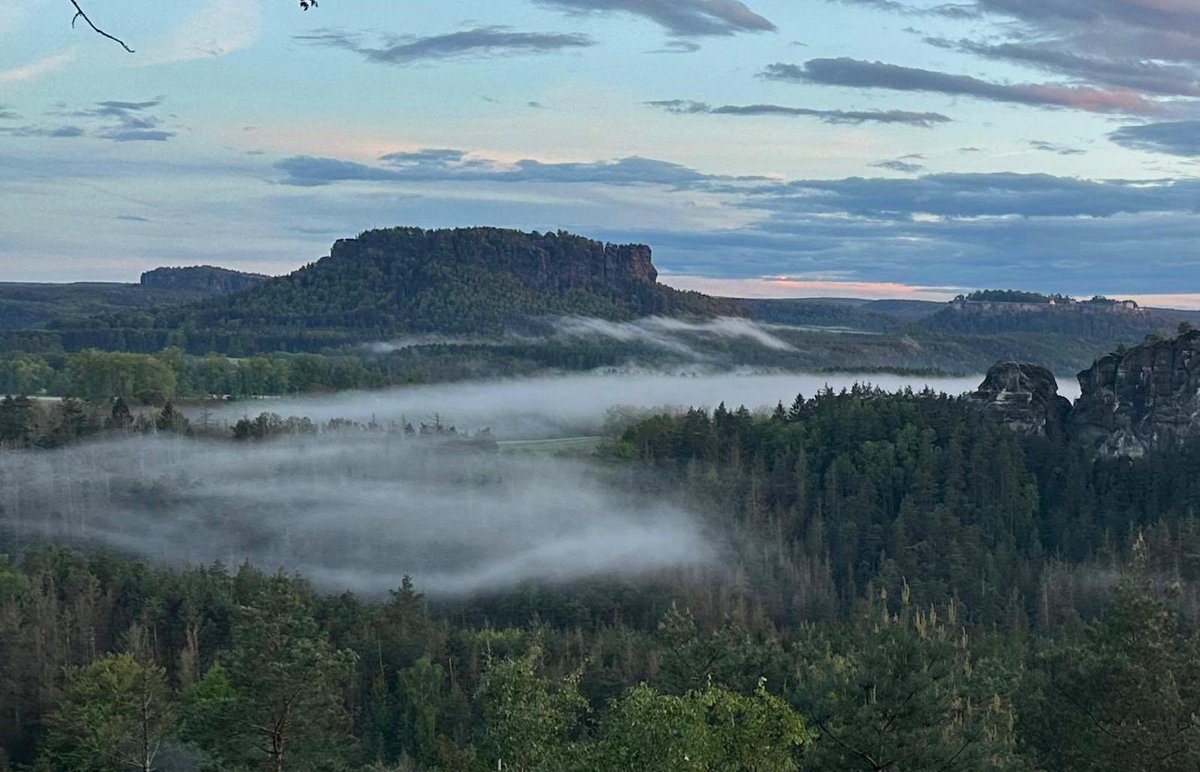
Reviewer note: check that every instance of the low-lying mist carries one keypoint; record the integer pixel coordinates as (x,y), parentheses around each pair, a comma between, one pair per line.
(664,333)
(569,405)
(359,510)
(348,511)
(671,334)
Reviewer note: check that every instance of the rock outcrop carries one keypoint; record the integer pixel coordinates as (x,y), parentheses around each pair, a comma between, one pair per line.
(1132,401)
(1025,398)
(1141,399)
(204,279)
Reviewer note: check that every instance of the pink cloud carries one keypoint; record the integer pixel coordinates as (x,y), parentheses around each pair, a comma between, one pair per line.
(1184,300)
(783,287)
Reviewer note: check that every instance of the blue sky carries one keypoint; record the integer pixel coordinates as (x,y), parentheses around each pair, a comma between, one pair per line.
(776,147)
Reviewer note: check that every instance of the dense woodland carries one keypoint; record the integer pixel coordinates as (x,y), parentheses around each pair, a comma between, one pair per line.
(905,586)
(151,379)
(96,375)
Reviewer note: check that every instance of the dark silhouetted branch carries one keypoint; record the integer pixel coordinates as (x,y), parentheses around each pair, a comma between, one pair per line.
(79,14)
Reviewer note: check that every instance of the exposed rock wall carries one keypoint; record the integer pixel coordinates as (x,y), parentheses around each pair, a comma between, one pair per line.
(1142,398)
(1132,401)
(205,278)
(1025,398)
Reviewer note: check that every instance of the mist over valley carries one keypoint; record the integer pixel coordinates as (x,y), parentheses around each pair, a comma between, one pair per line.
(568,405)
(614,385)
(350,511)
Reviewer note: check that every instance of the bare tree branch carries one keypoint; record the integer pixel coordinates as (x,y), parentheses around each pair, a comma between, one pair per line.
(79,14)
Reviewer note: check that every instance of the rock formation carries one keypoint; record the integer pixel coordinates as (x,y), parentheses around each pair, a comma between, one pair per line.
(1132,401)
(203,278)
(1141,399)
(1025,398)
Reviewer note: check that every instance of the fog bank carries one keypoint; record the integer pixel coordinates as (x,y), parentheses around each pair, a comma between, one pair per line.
(670,334)
(354,512)
(560,406)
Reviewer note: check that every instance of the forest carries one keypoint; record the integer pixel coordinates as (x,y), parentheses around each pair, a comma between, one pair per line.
(898,584)
(558,345)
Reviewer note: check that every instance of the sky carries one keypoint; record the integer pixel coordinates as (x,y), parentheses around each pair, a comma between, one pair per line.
(869,148)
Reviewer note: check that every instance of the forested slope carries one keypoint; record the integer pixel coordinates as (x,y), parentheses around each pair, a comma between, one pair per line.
(904,584)
(405,280)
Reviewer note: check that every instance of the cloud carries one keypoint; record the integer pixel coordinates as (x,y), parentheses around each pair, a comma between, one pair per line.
(49,132)
(856,73)
(681,18)
(947,10)
(449,165)
(1110,236)
(981,195)
(1175,138)
(478,42)
(677,47)
(1162,15)
(776,287)
(128,121)
(1030,230)
(1146,76)
(899,165)
(686,107)
(36,69)
(1053,147)
(1149,47)
(215,28)
(113,120)
(1139,252)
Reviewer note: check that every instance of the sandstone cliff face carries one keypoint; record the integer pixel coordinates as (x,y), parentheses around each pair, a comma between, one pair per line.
(1025,398)
(217,281)
(1132,401)
(550,262)
(1141,399)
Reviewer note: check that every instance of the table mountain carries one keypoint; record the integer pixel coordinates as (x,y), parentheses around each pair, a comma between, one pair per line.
(204,279)
(476,281)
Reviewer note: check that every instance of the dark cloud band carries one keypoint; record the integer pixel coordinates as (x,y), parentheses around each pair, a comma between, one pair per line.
(682,18)
(1175,138)
(479,42)
(856,73)
(686,107)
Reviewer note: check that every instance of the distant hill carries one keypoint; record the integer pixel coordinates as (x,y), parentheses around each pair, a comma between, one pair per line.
(28,305)
(990,312)
(1007,312)
(851,313)
(204,279)
(410,280)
